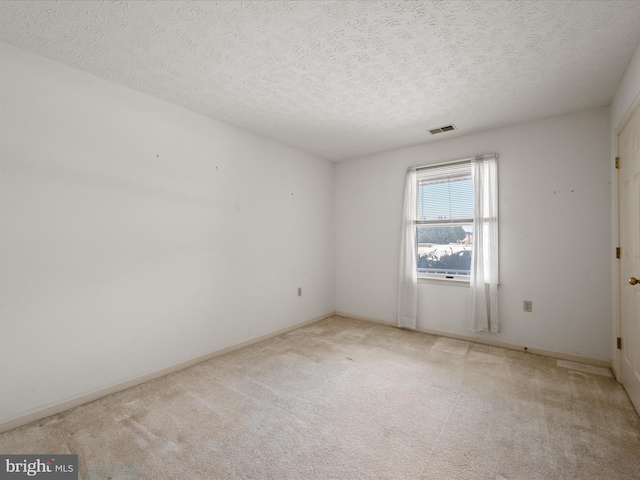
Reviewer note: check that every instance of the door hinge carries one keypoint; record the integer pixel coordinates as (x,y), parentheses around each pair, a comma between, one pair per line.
(617,252)
(617,162)
(619,343)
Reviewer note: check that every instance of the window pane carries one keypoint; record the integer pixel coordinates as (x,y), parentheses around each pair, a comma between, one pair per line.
(445,250)
(447,199)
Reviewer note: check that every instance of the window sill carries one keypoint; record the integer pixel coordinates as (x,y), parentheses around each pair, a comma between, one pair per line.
(456,282)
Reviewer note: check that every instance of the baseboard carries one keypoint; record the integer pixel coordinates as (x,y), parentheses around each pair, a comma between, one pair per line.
(615,373)
(40,413)
(495,343)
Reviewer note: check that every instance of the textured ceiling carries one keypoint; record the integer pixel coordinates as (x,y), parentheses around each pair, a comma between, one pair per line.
(344,79)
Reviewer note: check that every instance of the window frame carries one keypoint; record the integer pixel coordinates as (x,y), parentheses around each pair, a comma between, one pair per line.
(441,277)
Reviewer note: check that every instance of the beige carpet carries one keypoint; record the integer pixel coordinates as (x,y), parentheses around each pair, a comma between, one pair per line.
(346,399)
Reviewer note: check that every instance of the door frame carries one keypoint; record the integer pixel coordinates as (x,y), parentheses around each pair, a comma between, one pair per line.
(616,326)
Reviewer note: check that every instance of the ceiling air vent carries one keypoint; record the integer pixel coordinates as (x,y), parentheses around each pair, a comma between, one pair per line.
(446,128)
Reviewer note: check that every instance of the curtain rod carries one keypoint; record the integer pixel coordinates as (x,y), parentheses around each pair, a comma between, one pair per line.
(456,162)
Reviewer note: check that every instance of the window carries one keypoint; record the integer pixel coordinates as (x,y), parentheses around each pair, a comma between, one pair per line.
(444,223)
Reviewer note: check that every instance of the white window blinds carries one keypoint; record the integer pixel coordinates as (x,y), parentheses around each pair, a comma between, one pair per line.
(445,194)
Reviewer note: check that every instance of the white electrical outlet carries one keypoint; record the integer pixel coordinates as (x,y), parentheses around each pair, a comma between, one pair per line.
(527,306)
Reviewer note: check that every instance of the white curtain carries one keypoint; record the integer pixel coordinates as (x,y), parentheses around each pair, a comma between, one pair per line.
(408,272)
(484,267)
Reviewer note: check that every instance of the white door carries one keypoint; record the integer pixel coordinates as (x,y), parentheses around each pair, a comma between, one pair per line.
(629,201)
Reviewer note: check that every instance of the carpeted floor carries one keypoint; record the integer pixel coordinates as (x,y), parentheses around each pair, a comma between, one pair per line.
(346,399)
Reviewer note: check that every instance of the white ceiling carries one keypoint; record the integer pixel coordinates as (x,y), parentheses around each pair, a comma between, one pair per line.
(348,78)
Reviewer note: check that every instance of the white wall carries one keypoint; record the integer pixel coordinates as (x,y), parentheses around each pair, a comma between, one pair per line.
(627,92)
(135,235)
(555,217)
(627,97)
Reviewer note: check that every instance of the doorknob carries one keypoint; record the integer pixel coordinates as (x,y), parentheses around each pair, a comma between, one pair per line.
(633,281)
